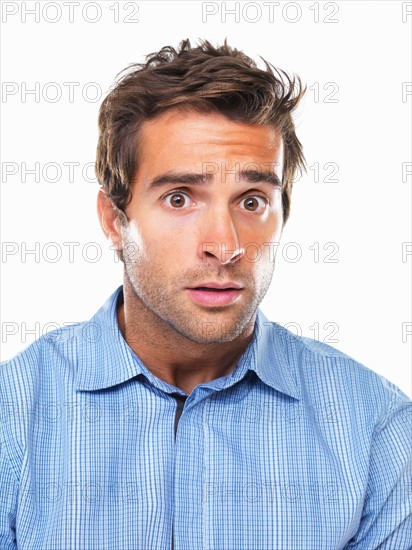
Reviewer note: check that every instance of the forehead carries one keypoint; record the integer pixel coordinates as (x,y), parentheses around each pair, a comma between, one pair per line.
(190,136)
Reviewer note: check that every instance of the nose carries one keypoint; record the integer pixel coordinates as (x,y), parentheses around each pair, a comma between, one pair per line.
(219,238)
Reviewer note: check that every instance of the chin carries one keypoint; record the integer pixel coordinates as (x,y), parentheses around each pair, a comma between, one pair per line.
(221,330)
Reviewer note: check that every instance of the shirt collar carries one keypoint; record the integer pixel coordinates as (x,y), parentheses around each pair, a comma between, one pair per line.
(271,361)
(105,359)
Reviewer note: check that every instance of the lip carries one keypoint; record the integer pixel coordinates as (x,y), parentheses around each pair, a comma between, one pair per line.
(228,285)
(216,295)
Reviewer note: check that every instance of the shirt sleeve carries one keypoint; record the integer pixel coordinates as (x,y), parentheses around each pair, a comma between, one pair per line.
(386,521)
(8,499)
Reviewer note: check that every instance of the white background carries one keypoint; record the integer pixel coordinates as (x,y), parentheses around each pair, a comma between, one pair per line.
(365,53)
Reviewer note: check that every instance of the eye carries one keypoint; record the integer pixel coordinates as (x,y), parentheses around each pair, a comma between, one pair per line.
(177,199)
(254,203)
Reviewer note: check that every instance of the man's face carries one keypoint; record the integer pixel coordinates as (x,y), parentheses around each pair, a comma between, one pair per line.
(205,212)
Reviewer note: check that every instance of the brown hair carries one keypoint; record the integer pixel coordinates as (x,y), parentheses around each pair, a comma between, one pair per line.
(202,78)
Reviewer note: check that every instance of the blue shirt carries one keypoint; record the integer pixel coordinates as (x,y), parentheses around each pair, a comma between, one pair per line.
(298,448)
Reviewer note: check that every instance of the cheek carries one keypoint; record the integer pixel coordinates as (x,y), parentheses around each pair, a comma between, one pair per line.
(276,226)
(262,246)
(154,244)
(264,235)
(134,246)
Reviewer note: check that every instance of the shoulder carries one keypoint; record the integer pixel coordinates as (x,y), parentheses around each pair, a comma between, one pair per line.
(51,356)
(63,346)
(324,373)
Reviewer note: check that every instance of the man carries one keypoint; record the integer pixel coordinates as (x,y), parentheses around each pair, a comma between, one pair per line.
(179,416)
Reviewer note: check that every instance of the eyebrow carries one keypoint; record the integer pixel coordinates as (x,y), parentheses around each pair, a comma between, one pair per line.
(181,178)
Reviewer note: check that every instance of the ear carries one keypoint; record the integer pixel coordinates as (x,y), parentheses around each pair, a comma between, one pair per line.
(109,220)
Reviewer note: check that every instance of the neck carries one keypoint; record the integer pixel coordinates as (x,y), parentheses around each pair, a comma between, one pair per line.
(171,356)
